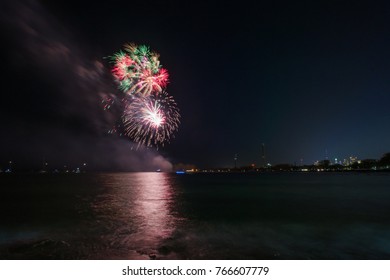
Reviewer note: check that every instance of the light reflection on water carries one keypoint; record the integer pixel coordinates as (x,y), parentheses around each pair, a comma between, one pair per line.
(232,216)
(138,207)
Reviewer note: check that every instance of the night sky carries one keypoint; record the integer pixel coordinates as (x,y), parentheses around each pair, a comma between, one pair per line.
(309,79)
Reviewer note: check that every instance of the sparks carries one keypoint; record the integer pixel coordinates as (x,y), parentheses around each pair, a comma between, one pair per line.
(150,115)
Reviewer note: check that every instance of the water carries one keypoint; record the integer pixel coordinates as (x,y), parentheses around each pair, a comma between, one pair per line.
(199,216)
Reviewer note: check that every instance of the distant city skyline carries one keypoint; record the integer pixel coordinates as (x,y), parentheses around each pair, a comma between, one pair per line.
(11,166)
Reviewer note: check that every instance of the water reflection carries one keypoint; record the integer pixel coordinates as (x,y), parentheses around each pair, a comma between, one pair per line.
(233,216)
(136,211)
(153,199)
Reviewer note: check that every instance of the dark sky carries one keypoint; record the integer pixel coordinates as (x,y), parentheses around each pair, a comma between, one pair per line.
(308,79)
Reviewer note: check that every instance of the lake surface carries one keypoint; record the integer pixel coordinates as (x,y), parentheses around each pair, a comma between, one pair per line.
(198,216)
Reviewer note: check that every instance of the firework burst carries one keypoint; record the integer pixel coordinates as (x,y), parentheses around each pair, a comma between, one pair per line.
(151,120)
(150,115)
(138,71)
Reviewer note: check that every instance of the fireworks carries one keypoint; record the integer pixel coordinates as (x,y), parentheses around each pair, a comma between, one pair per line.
(138,71)
(107,103)
(151,120)
(150,115)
